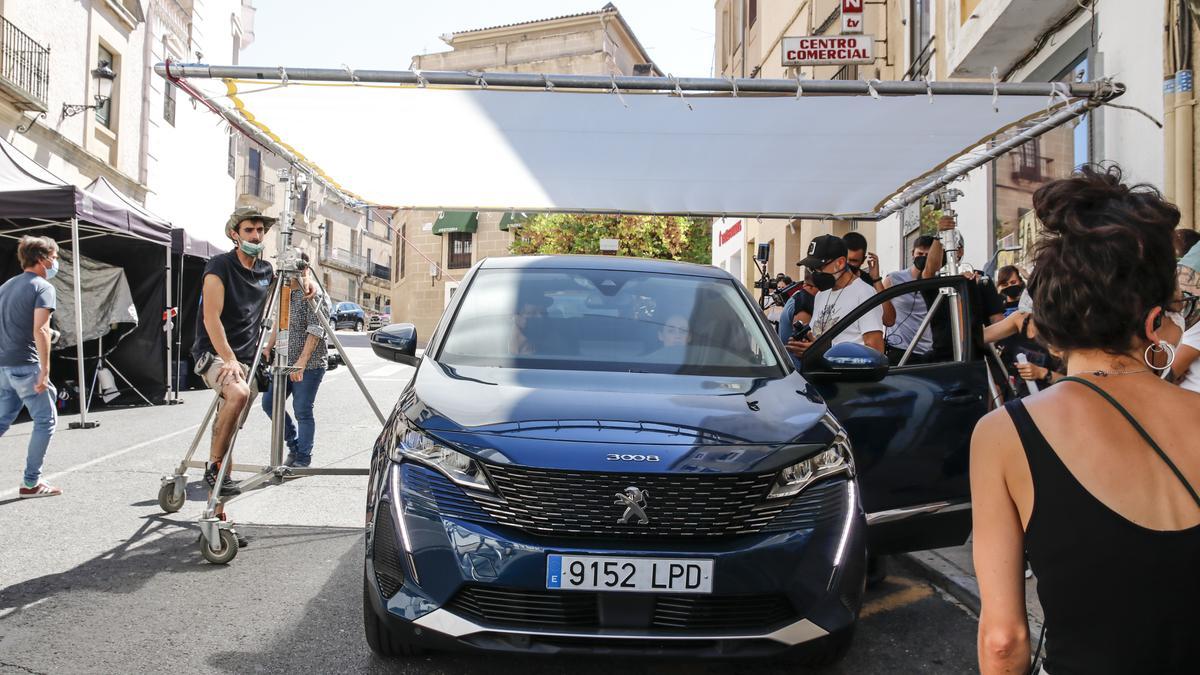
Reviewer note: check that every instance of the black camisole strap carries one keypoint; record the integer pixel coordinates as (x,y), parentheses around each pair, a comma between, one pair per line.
(1145,436)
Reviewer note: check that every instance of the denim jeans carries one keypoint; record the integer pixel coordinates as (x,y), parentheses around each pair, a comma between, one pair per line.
(299,434)
(16,392)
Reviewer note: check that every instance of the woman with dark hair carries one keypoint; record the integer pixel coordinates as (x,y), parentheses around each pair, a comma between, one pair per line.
(1094,478)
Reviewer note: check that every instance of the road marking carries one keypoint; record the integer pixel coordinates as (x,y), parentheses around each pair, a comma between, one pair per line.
(13,610)
(386,371)
(8,493)
(906,596)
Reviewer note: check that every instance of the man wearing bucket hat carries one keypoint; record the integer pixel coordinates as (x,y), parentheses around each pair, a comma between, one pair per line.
(236,287)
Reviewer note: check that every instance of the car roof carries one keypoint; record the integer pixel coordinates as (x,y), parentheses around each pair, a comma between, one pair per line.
(604,262)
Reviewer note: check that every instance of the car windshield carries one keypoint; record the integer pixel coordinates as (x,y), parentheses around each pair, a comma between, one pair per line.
(345,307)
(606,320)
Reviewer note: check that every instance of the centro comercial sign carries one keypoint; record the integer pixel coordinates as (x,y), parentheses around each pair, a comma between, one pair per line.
(828,50)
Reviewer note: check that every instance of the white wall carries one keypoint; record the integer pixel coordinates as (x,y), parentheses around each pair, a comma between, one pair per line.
(187,165)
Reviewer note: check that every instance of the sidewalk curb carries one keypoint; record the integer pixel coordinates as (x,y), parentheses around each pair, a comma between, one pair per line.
(943,574)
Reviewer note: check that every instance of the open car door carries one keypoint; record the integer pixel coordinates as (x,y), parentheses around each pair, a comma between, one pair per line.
(910,425)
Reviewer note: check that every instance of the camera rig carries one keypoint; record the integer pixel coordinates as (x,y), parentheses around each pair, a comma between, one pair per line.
(218,544)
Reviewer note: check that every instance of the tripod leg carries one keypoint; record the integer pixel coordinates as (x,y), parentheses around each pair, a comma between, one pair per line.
(126,381)
(349,364)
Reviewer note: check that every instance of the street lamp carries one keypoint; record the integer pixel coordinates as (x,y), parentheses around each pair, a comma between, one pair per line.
(103,76)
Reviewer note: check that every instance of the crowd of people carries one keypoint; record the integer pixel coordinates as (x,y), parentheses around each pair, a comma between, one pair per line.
(1088,473)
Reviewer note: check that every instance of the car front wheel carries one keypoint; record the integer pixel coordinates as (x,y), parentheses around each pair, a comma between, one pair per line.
(358,325)
(380,637)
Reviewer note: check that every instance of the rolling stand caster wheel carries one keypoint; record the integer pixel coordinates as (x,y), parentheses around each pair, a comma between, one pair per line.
(168,501)
(227,551)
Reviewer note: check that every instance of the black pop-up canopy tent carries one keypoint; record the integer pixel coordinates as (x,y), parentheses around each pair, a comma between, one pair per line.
(191,255)
(103,227)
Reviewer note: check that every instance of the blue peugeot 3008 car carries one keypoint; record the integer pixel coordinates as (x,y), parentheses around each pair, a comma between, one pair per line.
(614,455)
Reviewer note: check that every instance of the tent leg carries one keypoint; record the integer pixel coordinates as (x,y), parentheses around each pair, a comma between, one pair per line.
(169,327)
(83,422)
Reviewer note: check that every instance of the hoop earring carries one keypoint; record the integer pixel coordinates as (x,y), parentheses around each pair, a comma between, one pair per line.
(1159,348)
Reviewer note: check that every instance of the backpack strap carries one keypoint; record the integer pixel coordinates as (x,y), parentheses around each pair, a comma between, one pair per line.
(1145,436)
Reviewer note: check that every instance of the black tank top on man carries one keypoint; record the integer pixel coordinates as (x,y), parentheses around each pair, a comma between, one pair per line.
(246,293)
(1117,597)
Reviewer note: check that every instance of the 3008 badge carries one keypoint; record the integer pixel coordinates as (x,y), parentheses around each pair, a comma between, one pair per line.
(614,457)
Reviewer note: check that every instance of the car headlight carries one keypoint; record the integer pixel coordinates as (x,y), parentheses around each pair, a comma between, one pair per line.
(462,469)
(834,459)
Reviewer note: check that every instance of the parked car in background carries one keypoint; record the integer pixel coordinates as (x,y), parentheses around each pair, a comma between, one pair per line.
(349,315)
(617,456)
(378,320)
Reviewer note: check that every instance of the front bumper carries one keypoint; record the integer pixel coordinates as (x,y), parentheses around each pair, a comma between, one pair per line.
(817,573)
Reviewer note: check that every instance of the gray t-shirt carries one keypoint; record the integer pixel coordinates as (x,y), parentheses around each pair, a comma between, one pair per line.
(19,296)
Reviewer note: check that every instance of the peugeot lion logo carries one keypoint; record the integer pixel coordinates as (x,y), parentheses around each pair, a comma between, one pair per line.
(634,501)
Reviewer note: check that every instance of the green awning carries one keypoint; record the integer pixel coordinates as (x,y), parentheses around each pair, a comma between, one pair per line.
(456,221)
(509,219)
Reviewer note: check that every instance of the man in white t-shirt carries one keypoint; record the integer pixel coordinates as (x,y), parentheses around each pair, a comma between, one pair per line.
(841,291)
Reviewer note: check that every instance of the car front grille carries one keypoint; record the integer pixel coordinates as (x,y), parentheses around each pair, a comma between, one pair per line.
(817,505)
(581,610)
(577,503)
(583,504)
(429,491)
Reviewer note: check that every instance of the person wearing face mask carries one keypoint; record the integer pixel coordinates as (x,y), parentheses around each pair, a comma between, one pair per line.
(235,291)
(866,266)
(1011,286)
(840,291)
(26,303)
(910,309)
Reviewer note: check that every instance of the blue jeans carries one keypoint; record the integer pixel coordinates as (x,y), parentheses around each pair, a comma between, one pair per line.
(16,392)
(299,434)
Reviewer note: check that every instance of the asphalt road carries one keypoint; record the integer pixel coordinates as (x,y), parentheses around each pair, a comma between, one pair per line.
(100,581)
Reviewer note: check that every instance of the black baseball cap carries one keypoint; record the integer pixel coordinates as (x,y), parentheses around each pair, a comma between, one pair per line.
(822,249)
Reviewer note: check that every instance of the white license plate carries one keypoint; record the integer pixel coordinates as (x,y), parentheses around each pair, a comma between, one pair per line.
(631,575)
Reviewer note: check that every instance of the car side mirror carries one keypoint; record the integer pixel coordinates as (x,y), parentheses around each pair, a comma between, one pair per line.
(849,362)
(396,342)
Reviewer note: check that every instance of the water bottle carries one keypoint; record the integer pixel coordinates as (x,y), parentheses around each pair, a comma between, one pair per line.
(1033,386)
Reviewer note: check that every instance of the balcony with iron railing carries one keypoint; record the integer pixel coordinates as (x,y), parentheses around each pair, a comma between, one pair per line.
(24,68)
(345,260)
(920,68)
(381,271)
(257,188)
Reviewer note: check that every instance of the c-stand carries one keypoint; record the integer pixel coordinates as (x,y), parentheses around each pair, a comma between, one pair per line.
(218,543)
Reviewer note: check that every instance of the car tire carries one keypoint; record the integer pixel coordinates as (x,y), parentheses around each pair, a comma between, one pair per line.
(876,571)
(824,652)
(358,326)
(380,637)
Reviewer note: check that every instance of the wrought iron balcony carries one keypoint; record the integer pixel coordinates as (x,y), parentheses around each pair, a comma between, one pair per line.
(381,272)
(920,67)
(253,186)
(24,68)
(344,260)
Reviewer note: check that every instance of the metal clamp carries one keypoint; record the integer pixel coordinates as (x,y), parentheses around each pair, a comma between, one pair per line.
(995,89)
(283,78)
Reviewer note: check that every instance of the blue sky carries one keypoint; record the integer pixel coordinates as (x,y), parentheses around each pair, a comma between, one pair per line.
(385,34)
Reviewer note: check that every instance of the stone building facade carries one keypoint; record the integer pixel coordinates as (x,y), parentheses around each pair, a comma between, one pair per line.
(434,250)
(148,140)
(1025,41)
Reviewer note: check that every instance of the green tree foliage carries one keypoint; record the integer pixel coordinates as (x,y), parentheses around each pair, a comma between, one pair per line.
(663,237)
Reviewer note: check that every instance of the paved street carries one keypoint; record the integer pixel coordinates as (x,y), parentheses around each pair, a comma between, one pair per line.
(101,581)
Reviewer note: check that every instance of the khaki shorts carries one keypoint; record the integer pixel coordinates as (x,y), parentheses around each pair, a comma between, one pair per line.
(210,378)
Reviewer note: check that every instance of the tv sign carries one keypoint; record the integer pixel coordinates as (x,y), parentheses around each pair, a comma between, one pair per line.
(852,17)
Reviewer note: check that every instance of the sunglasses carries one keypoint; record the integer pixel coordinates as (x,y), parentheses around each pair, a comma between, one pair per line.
(1189,308)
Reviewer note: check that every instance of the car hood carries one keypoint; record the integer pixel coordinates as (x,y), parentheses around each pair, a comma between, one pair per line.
(529,416)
